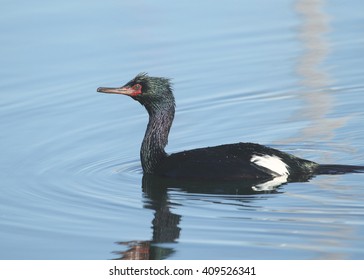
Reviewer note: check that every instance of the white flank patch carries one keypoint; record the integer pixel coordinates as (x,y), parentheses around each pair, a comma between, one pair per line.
(272,163)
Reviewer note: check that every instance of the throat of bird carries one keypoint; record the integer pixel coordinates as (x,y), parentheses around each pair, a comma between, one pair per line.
(155,140)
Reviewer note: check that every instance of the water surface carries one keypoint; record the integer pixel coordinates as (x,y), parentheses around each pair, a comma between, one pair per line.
(286,74)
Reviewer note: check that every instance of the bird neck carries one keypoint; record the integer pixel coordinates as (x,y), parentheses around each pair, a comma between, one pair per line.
(156,138)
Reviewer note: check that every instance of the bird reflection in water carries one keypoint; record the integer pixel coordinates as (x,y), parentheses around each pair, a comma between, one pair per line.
(165,224)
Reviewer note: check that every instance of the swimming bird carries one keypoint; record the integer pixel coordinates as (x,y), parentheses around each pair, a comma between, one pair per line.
(239,161)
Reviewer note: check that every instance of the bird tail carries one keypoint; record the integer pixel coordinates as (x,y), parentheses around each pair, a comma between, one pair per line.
(334,169)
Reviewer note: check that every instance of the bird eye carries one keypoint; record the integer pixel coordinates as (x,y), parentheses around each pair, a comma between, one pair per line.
(137,87)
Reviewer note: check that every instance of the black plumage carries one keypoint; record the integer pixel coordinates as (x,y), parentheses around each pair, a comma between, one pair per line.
(224,162)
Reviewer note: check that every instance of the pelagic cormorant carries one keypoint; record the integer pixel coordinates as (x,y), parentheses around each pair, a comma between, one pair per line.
(240,161)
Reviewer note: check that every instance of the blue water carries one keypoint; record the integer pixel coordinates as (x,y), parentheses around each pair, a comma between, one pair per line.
(288,74)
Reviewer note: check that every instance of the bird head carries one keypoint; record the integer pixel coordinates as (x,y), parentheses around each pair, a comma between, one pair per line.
(151,92)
